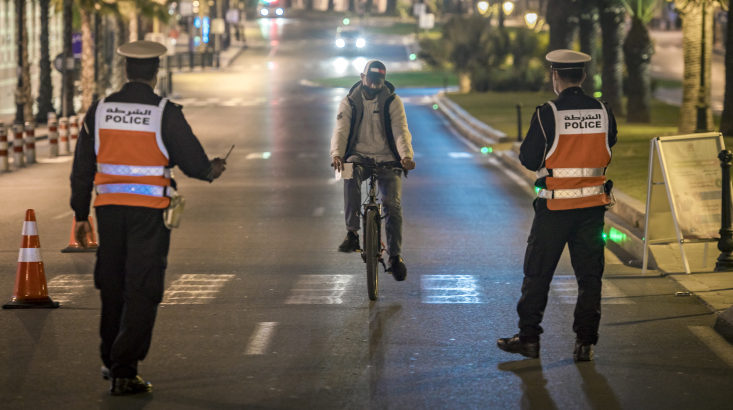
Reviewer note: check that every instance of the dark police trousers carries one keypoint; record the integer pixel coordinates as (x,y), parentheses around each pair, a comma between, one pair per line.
(131,262)
(582,230)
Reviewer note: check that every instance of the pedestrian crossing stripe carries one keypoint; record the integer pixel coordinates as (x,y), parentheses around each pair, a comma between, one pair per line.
(195,289)
(564,288)
(447,289)
(64,288)
(321,289)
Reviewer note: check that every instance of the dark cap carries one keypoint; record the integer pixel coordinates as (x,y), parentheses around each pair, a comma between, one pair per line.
(565,59)
(375,71)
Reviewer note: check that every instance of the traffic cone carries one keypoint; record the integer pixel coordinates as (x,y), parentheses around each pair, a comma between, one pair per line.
(75,246)
(30,281)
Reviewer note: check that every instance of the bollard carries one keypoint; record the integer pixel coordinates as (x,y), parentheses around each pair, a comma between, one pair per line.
(519,122)
(18,158)
(4,163)
(53,137)
(73,131)
(64,135)
(29,135)
(725,244)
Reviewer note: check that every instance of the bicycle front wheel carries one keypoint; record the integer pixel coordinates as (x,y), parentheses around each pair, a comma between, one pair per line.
(372,251)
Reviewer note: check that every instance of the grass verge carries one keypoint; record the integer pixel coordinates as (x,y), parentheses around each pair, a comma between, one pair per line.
(630,162)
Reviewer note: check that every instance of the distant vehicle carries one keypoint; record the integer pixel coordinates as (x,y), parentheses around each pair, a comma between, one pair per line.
(349,39)
(270,8)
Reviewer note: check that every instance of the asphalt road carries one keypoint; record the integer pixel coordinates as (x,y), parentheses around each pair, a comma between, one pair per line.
(261,311)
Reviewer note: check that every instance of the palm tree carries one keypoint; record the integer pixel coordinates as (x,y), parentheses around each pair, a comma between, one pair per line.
(45,88)
(88,86)
(697,45)
(638,50)
(67,99)
(563,22)
(613,14)
(588,36)
(23,100)
(726,121)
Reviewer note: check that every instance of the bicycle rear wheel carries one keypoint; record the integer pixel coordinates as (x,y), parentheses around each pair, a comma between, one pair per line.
(372,251)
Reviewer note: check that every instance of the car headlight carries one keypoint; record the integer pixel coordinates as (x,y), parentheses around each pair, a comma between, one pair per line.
(263,12)
(340,43)
(360,42)
(279,11)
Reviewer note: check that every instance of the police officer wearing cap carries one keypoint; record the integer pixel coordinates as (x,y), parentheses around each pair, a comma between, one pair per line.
(371,127)
(569,146)
(129,142)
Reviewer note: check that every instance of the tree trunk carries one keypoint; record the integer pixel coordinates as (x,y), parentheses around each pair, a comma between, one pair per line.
(330,5)
(67,99)
(464,82)
(87,60)
(133,23)
(563,22)
(638,52)
(45,88)
(588,35)
(696,93)
(391,8)
(612,29)
(726,121)
(118,62)
(22,64)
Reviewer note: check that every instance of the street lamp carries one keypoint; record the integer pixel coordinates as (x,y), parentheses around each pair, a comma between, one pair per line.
(531,19)
(508,7)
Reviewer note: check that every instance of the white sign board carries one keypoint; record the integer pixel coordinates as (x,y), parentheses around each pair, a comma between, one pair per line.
(683,190)
(427,21)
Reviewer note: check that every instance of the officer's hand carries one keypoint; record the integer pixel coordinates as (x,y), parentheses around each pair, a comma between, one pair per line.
(337,163)
(408,164)
(82,230)
(218,166)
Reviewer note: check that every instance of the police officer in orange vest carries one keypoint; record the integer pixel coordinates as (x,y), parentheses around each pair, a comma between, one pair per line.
(129,143)
(569,146)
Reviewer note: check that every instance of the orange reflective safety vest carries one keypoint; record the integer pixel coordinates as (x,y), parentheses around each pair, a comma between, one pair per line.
(131,157)
(577,160)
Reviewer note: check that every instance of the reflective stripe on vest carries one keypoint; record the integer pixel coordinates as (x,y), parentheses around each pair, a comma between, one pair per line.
(131,157)
(577,159)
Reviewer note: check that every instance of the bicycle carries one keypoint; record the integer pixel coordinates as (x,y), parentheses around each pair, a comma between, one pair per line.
(373,248)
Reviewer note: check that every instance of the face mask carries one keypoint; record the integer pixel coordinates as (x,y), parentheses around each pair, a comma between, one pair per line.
(371,92)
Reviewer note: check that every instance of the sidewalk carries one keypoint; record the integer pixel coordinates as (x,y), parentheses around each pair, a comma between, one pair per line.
(715,289)
(226,58)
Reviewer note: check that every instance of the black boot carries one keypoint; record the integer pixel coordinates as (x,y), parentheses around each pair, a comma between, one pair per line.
(397,268)
(583,352)
(516,345)
(350,243)
(122,387)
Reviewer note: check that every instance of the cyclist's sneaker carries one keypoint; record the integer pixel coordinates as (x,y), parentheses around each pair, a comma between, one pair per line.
(350,243)
(397,268)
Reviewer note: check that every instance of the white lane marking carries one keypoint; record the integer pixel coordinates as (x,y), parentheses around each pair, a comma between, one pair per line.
(258,155)
(195,289)
(715,342)
(444,289)
(318,212)
(64,215)
(511,174)
(565,288)
(459,155)
(260,340)
(65,288)
(320,290)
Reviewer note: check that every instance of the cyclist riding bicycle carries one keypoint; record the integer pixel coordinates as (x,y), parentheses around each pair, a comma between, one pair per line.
(371,127)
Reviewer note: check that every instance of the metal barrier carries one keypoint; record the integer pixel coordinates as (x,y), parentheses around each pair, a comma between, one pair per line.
(18,158)
(53,137)
(191,60)
(64,135)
